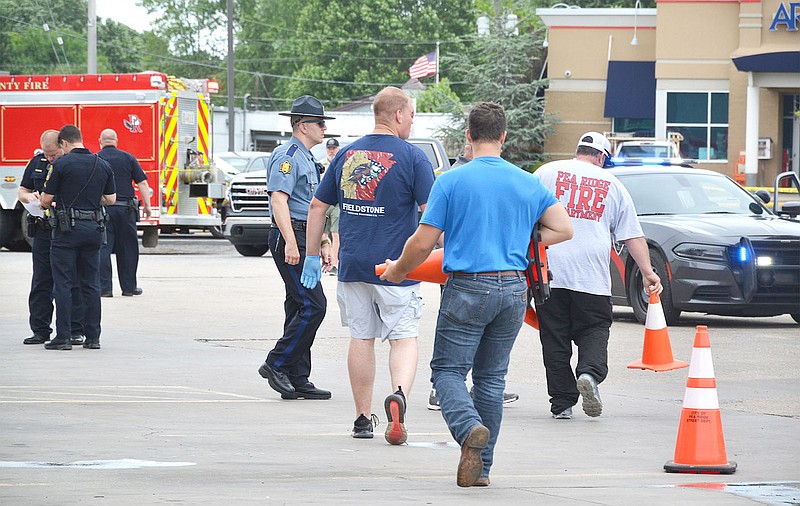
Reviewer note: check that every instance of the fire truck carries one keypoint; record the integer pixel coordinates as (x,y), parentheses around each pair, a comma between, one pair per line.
(163,121)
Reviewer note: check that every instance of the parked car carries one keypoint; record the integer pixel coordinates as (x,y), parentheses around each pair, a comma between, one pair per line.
(717,248)
(244,161)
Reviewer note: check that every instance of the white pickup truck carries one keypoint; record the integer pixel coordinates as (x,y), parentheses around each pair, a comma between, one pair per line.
(246,218)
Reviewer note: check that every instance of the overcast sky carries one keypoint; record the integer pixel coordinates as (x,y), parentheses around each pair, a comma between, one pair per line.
(124,11)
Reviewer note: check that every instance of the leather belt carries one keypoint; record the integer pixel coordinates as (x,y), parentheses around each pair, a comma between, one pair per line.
(493,274)
(299,225)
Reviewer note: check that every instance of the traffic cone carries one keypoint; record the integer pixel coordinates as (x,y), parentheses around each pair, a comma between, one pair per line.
(657,352)
(700,448)
(531,318)
(430,270)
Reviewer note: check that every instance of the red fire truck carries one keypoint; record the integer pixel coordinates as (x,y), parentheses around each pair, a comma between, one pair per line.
(163,121)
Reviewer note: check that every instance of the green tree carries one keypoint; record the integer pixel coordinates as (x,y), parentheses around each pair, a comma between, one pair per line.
(504,68)
(339,50)
(439,98)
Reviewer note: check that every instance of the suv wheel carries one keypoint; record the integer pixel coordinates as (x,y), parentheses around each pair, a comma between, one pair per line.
(251,250)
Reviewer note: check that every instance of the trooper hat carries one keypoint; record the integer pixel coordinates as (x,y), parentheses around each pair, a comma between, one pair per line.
(332,143)
(597,141)
(307,105)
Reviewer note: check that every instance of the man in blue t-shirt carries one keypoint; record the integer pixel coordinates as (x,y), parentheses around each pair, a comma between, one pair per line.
(487,209)
(379,181)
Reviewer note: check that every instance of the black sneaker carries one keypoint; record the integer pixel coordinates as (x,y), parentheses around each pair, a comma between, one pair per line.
(395,405)
(362,428)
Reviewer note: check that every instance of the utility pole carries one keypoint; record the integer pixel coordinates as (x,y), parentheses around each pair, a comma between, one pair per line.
(231,112)
(91,59)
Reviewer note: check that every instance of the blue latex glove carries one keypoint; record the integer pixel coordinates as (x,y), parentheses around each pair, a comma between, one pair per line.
(312,272)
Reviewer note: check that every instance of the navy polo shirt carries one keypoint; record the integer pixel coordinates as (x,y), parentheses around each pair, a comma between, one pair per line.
(125,167)
(70,173)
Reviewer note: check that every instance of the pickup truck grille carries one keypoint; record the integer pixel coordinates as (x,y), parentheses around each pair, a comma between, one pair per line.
(249,196)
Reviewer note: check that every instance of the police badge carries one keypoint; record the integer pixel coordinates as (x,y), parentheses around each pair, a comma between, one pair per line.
(286,167)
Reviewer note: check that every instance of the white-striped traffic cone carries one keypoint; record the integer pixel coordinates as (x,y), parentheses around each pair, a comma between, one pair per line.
(656,352)
(700,448)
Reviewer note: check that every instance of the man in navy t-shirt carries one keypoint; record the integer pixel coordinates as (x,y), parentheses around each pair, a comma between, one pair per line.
(380,182)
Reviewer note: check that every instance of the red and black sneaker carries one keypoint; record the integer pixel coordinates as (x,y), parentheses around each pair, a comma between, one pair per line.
(395,405)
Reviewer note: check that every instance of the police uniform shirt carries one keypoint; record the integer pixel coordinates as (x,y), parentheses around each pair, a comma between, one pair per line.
(293,170)
(35,173)
(69,174)
(125,167)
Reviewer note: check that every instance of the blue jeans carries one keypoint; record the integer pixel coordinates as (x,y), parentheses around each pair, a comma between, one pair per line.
(479,319)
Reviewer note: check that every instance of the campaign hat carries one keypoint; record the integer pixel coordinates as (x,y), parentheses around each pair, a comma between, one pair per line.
(307,105)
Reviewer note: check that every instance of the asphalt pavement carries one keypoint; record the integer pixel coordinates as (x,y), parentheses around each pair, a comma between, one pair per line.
(172,410)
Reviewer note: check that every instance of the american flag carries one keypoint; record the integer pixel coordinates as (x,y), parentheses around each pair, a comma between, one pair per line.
(424,66)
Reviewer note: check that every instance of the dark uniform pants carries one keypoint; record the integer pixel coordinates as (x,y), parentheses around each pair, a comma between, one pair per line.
(304,308)
(121,240)
(74,257)
(40,299)
(566,317)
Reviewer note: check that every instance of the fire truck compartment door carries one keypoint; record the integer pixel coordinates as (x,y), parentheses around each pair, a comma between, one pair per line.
(135,125)
(22,127)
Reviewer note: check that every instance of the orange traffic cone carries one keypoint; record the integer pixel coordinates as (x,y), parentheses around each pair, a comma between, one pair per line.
(430,270)
(700,448)
(657,352)
(531,318)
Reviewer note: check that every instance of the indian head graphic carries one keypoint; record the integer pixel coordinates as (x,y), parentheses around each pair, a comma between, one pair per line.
(363,171)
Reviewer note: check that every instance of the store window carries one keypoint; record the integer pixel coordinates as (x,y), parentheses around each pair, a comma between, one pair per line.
(702,118)
(635,126)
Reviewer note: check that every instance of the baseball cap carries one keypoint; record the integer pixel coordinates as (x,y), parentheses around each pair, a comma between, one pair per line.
(332,143)
(597,141)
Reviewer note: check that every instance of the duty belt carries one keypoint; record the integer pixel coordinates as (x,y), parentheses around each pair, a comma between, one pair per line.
(80,214)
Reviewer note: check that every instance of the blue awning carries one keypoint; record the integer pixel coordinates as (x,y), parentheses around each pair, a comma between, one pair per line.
(783,61)
(631,90)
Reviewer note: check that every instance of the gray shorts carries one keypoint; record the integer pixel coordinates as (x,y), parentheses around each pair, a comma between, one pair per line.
(387,312)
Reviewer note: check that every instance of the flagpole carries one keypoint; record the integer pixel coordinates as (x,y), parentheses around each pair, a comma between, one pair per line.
(437,62)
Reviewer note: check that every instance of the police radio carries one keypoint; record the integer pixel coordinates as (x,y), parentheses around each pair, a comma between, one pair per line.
(537,274)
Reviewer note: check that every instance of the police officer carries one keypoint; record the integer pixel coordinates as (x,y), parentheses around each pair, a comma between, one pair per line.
(78,182)
(122,217)
(40,300)
(293,176)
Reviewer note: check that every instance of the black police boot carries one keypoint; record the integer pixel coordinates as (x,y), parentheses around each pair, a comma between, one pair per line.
(77,339)
(57,345)
(36,339)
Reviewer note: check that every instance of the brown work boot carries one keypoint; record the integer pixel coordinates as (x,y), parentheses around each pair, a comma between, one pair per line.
(470,465)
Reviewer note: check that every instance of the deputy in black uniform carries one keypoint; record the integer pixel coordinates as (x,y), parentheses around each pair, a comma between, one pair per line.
(122,217)
(78,182)
(40,300)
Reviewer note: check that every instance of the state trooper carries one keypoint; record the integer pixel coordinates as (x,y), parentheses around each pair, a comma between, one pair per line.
(40,299)
(122,217)
(78,183)
(293,176)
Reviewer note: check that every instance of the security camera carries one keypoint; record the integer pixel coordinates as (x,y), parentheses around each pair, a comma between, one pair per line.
(567,73)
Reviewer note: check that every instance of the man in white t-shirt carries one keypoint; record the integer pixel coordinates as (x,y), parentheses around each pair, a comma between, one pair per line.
(579,307)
